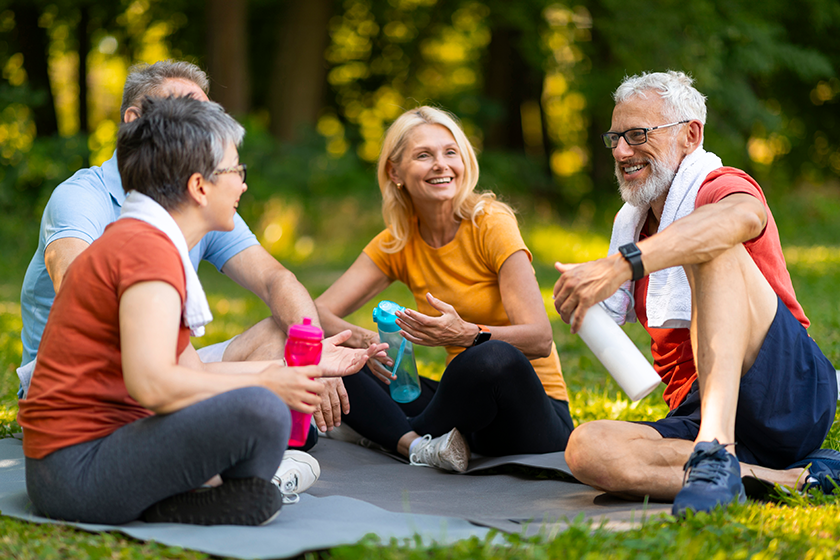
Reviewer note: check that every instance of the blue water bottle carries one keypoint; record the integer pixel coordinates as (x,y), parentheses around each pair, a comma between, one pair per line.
(406,387)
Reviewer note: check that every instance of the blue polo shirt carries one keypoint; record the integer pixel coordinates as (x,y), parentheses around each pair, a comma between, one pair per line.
(81,207)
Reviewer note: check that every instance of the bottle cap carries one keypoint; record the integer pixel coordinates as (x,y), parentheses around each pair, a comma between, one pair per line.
(306,330)
(385,316)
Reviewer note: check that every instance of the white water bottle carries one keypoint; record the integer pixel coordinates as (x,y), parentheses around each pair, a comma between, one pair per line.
(616,351)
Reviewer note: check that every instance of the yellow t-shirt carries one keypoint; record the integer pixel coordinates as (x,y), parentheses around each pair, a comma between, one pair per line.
(465,274)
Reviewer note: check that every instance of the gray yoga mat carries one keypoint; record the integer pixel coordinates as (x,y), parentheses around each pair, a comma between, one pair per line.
(314,523)
(510,499)
(362,491)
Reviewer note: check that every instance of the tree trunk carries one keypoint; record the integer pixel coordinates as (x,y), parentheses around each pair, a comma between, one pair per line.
(227,59)
(503,85)
(513,83)
(84,49)
(300,72)
(32,40)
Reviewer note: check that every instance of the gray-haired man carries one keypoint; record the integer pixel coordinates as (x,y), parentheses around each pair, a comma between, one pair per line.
(696,248)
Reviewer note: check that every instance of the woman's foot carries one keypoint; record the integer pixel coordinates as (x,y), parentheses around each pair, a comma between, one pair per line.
(449,452)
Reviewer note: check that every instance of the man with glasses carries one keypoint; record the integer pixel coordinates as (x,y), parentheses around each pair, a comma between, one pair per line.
(695,256)
(80,208)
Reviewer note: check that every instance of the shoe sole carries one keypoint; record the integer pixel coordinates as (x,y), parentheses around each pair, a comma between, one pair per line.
(455,451)
(238,501)
(761,490)
(740,497)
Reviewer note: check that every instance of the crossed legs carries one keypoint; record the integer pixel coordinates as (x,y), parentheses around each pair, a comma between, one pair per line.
(733,307)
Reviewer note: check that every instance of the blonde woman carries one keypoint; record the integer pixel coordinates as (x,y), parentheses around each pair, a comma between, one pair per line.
(462,255)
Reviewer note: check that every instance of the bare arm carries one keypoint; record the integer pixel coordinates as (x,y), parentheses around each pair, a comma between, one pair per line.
(257,271)
(59,254)
(699,237)
(150,314)
(361,282)
(190,358)
(529,331)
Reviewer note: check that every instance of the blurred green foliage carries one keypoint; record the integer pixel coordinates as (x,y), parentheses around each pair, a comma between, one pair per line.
(532,81)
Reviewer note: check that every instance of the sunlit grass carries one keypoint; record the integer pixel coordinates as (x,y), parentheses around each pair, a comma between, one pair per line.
(817,258)
(800,527)
(550,243)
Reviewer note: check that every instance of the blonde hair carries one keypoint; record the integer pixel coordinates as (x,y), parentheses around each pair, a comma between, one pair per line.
(397,208)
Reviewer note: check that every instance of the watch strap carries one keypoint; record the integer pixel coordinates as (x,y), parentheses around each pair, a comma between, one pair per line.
(482,336)
(633,255)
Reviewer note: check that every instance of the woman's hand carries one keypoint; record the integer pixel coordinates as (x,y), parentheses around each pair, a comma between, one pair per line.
(297,386)
(378,363)
(447,330)
(338,360)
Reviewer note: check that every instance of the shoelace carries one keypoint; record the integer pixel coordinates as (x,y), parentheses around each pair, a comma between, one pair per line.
(414,458)
(289,499)
(287,488)
(699,468)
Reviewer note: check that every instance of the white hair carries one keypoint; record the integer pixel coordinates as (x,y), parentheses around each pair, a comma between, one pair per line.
(682,101)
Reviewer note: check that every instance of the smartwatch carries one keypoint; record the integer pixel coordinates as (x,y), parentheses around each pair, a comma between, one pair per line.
(482,336)
(633,255)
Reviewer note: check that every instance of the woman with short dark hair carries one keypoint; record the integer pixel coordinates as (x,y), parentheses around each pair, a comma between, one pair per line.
(122,421)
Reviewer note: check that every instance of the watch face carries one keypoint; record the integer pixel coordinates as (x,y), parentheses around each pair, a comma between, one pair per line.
(629,250)
(483,336)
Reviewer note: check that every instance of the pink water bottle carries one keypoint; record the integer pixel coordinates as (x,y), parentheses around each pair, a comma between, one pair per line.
(303,348)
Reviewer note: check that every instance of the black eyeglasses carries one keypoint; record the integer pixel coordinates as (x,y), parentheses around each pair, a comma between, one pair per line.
(240,169)
(633,136)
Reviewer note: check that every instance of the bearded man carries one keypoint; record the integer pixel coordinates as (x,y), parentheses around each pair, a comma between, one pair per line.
(695,256)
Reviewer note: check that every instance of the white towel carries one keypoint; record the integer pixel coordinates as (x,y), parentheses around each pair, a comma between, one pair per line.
(669,295)
(140,207)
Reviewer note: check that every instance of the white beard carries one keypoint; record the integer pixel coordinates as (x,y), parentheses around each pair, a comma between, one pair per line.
(661,176)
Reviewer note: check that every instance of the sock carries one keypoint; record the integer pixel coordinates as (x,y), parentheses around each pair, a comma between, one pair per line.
(413,444)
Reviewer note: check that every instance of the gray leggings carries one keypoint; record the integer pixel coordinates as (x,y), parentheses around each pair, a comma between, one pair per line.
(238,434)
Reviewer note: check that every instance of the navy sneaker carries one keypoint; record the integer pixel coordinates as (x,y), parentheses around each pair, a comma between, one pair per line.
(712,479)
(824,470)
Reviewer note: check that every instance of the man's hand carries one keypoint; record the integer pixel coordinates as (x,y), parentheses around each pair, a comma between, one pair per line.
(334,403)
(447,330)
(583,285)
(338,361)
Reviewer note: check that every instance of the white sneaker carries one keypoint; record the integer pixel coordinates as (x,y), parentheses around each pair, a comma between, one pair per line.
(449,452)
(296,473)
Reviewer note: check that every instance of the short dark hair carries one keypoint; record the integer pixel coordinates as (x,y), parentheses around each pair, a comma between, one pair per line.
(174,138)
(147,79)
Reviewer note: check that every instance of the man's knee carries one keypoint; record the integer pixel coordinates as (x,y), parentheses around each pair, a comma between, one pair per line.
(263,341)
(581,450)
(595,454)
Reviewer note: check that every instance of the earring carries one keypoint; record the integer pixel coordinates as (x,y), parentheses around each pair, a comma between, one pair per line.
(399,185)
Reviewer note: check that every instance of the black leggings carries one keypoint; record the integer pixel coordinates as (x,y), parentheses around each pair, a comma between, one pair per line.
(490,392)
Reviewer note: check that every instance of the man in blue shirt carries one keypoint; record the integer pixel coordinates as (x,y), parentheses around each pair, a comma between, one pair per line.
(81,207)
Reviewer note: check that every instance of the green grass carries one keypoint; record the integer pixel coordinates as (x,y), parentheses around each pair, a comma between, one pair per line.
(800,527)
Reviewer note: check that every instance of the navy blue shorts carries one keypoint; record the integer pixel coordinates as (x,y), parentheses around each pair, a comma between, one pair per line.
(786,402)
